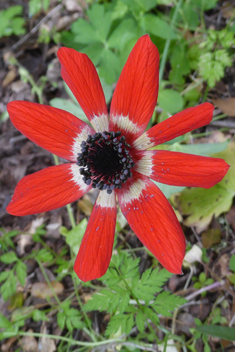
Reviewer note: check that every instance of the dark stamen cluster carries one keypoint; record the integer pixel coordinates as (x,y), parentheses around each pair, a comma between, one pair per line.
(105,161)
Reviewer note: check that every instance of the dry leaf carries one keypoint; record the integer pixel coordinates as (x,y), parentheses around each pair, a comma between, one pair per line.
(10,76)
(211,237)
(221,268)
(46,344)
(227,106)
(29,343)
(42,289)
(85,205)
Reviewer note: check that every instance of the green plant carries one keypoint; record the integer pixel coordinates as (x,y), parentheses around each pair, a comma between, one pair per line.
(130,299)
(36,6)
(202,281)
(11,21)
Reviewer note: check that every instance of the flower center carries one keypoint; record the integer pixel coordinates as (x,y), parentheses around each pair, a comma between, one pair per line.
(106,161)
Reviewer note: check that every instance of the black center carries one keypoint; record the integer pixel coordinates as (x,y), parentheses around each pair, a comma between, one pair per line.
(106,161)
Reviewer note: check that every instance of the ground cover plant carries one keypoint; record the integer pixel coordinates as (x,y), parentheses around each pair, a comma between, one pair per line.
(137,304)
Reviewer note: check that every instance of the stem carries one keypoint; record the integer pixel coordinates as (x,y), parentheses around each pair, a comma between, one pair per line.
(84,312)
(61,338)
(49,283)
(204,289)
(167,45)
(70,214)
(139,305)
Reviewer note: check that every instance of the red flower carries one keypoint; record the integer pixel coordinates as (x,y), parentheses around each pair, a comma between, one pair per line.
(114,158)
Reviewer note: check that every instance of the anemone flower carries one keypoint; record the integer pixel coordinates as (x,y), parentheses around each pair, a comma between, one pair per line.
(113,156)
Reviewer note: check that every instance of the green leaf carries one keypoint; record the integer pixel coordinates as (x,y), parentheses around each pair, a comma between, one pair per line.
(157,26)
(109,67)
(99,301)
(84,32)
(69,106)
(170,100)
(44,255)
(151,315)
(73,319)
(9,23)
(129,267)
(140,321)
(232,263)
(4,322)
(36,6)
(204,5)
(119,10)
(100,20)
(188,16)
(107,300)
(39,315)
(222,332)
(212,66)
(61,319)
(74,237)
(166,302)
(202,204)
(203,149)
(122,34)
(94,52)
(21,272)
(125,322)
(179,63)
(8,258)
(150,283)
(8,288)
(4,275)
(168,190)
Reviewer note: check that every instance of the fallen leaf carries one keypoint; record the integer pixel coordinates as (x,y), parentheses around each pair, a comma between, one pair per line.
(42,289)
(10,76)
(29,343)
(85,205)
(227,106)
(230,217)
(202,204)
(221,268)
(46,344)
(210,237)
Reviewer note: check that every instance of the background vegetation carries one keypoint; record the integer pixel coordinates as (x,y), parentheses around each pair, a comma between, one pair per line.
(137,305)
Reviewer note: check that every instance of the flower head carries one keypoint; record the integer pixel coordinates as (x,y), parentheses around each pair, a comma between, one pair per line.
(113,156)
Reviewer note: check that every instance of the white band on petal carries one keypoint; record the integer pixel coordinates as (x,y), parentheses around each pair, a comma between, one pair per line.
(145,165)
(143,142)
(77,177)
(82,136)
(106,200)
(124,123)
(100,123)
(134,192)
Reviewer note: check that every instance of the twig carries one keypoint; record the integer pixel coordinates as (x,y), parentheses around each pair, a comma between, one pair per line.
(204,289)
(35,29)
(232,321)
(223,123)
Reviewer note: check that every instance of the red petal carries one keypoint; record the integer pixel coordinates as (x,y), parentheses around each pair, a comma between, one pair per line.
(53,129)
(176,125)
(180,169)
(80,74)
(47,189)
(136,92)
(152,218)
(96,249)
